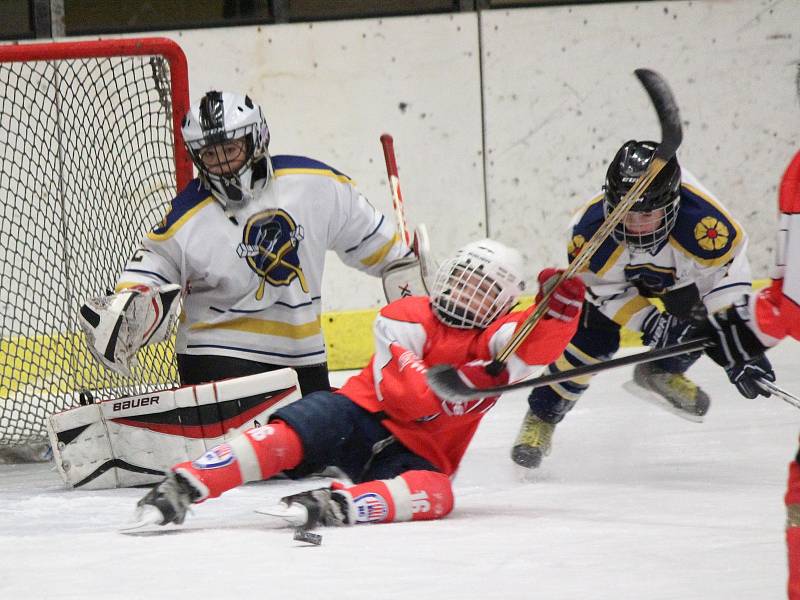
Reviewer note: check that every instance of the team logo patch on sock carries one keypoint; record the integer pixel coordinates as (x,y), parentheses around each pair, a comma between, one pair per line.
(370,508)
(221,456)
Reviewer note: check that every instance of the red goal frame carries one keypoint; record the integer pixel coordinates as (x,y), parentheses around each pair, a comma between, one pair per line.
(150,46)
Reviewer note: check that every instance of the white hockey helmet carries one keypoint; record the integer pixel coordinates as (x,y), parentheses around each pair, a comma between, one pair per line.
(480,283)
(221,117)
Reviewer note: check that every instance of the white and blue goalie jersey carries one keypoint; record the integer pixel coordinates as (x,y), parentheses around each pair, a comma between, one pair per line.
(252,283)
(706,247)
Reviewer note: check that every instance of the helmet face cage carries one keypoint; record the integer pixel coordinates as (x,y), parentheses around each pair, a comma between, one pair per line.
(222,117)
(477,285)
(656,231)
(662,198)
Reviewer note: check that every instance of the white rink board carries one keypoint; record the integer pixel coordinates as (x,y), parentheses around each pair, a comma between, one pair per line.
(633,503)
(561,98)
(331,89)
(555,96)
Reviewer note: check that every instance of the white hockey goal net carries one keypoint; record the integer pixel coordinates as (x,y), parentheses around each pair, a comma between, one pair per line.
(91,156)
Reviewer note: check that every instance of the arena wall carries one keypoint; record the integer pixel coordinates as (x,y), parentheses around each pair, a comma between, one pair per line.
(504,120)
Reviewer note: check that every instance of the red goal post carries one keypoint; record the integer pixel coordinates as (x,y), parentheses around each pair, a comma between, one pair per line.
(90,156)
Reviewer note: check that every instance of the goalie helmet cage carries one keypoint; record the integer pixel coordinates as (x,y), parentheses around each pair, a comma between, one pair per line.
(91,157)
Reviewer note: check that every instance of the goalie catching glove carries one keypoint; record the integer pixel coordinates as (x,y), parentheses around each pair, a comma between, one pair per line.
(117,325)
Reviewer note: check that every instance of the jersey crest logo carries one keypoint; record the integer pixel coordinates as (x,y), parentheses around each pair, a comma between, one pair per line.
(651,280)
(459,408)
(218,457)
(370,508)
(270,245)
(711,233)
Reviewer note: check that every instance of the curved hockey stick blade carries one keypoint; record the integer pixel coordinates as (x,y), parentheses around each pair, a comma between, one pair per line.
(667,110)
(445,381)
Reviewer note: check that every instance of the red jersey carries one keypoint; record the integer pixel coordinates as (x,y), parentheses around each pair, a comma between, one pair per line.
(409,338)
(777,308)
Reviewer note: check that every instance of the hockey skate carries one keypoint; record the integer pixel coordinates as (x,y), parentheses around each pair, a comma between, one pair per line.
(673,391)
(533,442)
(310,509)
(166,503)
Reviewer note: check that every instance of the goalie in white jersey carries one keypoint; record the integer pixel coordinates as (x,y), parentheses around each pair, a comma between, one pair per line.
(245,242)
(679,245)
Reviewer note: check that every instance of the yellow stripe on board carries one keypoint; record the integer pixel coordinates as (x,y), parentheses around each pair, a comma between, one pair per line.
(58,364)
(47,364)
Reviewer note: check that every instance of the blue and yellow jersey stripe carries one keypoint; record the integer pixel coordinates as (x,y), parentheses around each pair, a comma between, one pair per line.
(286,164)
(192,199)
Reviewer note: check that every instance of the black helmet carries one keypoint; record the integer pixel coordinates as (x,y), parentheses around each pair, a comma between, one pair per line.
(664,193)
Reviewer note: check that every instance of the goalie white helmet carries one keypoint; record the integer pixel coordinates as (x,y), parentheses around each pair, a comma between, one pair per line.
(227,138)
(479,284)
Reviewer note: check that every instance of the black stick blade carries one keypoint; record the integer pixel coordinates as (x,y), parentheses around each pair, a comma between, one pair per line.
(446,383)
(667,110)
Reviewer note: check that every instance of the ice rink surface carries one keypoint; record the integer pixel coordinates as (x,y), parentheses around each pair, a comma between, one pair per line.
(633,503)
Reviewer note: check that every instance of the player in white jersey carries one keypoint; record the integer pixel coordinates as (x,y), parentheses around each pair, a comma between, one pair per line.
(678,245)
(246,243)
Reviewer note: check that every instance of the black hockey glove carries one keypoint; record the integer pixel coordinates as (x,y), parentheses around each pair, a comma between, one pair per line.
(663,329)
(737,350)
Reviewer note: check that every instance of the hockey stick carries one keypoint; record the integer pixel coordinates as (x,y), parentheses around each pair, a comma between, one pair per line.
(394,187)
(446,382)
(780,393)
(671,137)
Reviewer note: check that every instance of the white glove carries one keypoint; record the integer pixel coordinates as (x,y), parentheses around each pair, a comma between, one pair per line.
(116,326)
(409,276)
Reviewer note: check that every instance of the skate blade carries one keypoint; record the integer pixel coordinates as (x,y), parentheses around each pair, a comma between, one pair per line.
(281,516)
(147,518)
(526,474)
(649,395)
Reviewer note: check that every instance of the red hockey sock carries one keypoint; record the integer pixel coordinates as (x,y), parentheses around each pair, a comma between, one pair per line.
(793,485)
(259,453)
(792,500)
(412,496)
(793,549)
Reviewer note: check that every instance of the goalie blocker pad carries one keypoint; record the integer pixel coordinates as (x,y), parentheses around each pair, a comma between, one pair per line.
(409,276)
(134,440)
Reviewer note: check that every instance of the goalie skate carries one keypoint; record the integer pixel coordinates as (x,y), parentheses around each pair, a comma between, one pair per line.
(673,391)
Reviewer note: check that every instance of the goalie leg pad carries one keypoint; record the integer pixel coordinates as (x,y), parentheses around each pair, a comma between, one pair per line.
(135,440)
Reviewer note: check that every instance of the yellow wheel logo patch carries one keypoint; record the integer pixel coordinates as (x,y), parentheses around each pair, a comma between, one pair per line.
(711,234)
(575,245)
